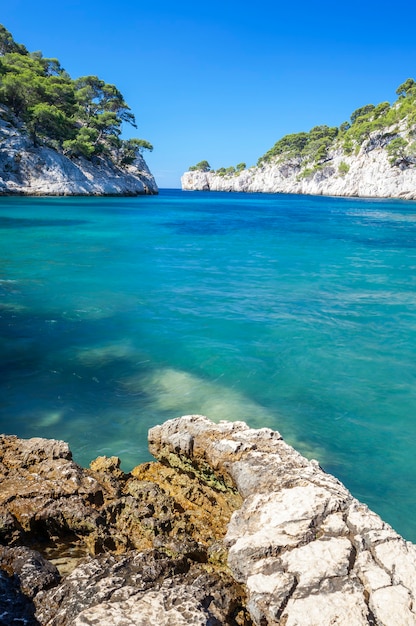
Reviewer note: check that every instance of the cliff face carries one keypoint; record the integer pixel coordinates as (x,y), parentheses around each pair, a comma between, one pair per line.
(232,526)
(366,174)
(41,171)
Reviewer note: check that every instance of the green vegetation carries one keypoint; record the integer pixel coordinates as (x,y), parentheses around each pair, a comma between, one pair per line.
(312,148)
(81,117)
(202,166)
(308,172)
(313,145)
(343,168)
(390,126)
(401,152)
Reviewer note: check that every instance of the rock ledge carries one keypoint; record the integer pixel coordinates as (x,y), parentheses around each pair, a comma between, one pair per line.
(230,526)
(308,552)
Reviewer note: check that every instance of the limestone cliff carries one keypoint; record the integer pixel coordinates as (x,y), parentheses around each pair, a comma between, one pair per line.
(231,526)
(42,171)
(369,172)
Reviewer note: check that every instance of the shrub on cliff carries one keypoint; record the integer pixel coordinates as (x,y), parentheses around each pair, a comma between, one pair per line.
(202,166)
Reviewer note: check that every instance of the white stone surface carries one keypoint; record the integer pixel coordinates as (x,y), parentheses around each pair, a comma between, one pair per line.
(308,553)
(27,170)
(370,175)
(154,608)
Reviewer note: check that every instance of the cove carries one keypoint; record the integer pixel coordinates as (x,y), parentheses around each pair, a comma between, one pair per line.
(292,312)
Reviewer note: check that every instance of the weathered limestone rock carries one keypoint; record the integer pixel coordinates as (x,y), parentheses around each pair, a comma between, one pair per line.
(141,588)
(308,552)
(149,547)
(23,574)
(35,573)
(41,171)
(161,530)
(370,174)
(46,498)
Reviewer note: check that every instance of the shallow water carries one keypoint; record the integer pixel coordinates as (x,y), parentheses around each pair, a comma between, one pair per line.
(293,312)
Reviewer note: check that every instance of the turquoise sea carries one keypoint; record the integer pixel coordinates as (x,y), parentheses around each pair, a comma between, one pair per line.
(293,312)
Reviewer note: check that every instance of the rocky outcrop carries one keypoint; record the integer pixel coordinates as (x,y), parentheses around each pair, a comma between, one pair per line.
(230,526)
(308,553)
(41,171)
(102,546)
(366,174)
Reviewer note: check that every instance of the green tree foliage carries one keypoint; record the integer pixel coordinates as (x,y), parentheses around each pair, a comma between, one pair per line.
(202,166)
(131,148)
(312,145)
(84,144)
(361,112)
(312,148)
(381,109)
(240,167)
(48,121)
(290,145)
(407,88)
(401,152)
(7,43)
(81,117)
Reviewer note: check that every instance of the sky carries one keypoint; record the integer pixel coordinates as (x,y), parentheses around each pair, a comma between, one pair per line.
(222,81)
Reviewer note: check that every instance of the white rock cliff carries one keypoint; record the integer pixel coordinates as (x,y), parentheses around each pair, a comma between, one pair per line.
(366,174)
(41,171)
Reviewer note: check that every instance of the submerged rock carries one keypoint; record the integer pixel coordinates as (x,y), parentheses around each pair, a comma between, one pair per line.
(231,526)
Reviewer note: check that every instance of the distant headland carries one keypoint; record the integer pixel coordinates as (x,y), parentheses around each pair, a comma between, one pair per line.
(371,155)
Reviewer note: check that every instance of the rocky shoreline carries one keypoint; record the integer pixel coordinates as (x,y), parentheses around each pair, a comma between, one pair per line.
(27,170)
(368,173)
(229,526)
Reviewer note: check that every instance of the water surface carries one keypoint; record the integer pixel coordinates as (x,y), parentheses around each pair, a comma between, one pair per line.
(293,312)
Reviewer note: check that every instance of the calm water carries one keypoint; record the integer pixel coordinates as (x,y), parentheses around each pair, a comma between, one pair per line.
(297,313)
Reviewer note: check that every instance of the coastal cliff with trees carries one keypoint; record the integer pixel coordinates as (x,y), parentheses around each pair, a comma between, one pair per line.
(371,155)
(60,136)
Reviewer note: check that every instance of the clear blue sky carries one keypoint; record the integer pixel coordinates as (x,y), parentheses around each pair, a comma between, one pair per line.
(223,80)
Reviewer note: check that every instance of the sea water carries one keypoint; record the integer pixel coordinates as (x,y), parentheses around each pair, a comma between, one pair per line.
(292,312)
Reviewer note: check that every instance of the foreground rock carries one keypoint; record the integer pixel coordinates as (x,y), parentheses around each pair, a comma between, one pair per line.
(140,548)
(308,552)
(41,171)
(231,526)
